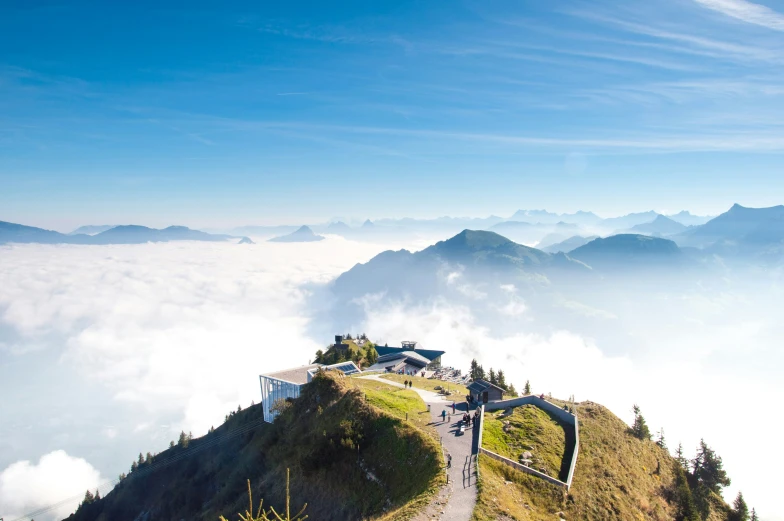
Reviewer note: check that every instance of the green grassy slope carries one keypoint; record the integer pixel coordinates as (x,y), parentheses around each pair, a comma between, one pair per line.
(344,453)
(618,477)
(530,429)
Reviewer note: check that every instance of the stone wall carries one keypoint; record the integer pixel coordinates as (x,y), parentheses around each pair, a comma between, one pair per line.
(523,468)
(565,416)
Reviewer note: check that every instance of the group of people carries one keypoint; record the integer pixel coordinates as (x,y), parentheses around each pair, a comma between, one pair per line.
(467,419)
(471,420)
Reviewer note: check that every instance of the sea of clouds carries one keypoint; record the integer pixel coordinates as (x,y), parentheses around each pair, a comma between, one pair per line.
(108,351)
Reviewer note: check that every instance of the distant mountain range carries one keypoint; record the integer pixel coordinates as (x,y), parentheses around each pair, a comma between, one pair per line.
(131,234)
(689,219)
(302,234)
(545,217)
(627,251)
(660,226)
(569,244)
(92,229)
(750,227)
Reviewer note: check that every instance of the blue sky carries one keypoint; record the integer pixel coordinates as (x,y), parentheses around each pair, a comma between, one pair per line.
(266,112)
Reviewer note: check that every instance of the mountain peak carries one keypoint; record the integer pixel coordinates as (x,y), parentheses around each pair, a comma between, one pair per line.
(301,234)
(476,240)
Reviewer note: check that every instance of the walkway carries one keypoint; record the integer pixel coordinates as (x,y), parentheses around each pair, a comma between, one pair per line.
(463,448)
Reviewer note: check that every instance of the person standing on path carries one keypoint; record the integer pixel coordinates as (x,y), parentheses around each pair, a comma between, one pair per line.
(449,461)
(443,415)
(453,407)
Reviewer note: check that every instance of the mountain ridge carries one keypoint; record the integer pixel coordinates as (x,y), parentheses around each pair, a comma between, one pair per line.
(124,234)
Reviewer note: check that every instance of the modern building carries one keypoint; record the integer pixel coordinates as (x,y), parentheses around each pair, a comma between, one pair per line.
(282,385)
(404,362)
(482,391)
(433,357)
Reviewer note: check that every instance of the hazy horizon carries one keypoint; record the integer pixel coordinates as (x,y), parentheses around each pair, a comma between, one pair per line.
(218,116)
(353,220)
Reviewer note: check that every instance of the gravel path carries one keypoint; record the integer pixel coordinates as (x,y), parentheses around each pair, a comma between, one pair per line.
(463,448)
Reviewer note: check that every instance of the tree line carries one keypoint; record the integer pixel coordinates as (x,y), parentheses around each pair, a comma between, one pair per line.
(699,481)
(365,354)
(477,372)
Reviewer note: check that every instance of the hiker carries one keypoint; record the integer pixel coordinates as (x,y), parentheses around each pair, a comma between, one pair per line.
(443,415)
(449,461)
(405,383)
(453,407)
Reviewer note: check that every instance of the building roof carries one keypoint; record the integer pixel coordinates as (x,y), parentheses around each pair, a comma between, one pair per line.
(297,375)
(408,355)
(427,353)
(479,386)
(344,367)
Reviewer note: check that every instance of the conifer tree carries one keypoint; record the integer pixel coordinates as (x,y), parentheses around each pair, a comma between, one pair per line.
(141,459)
(134,466)
(97,495)
(183,441)
(754,515)
(740,511)
(660,439)
(680,458)
(639,427)
(88,498)
(702,499)
(493,379)
(501,379)
(686,509)
(171,444)
(512,391)
(148,458)
(708,469)
(527,389)
(474,372)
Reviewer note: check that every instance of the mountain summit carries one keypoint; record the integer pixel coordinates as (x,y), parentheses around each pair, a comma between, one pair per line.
(661,226)
(303,234)
(628,250)
(739,230)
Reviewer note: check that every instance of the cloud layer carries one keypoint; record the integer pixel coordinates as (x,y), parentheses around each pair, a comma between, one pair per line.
(117,348)
(27,486)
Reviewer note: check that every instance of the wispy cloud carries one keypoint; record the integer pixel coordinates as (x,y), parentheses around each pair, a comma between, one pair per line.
(716,48)
(749,12)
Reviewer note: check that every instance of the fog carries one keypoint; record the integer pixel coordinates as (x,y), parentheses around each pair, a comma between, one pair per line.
(108,351)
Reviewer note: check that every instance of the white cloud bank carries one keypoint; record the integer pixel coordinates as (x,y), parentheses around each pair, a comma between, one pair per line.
(176,334)
(26,486)
(749,12)
(679,388)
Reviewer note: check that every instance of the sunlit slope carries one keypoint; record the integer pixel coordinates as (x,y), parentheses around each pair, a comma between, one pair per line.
(618,477)
(345,457)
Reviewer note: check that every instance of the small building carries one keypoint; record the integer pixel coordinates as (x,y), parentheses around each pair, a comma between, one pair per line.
(482,391)
(282,385)
(339,345)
